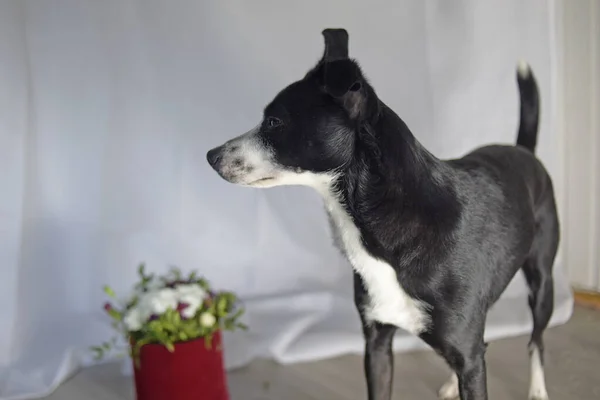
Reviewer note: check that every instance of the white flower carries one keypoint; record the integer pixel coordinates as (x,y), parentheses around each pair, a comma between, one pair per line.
(161,300)
(192,295)
(157,302)
(190,291)
(158,299)
(152,286)
(207,320)
(133,320)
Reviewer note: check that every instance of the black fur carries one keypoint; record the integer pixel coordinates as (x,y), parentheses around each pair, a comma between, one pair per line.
(456,231)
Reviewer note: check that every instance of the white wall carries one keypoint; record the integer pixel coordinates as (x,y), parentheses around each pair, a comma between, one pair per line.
(578,31)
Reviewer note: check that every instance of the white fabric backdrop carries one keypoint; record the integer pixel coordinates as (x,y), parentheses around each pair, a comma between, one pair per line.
(108,107)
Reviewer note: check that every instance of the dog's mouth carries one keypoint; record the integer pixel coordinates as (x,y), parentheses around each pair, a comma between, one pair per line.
(268,178)
(261,181)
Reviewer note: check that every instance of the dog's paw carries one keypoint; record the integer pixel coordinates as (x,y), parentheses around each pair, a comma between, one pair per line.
(538,396)
(449,391)
(537,391)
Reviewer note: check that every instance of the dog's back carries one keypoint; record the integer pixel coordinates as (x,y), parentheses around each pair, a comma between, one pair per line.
(507,197)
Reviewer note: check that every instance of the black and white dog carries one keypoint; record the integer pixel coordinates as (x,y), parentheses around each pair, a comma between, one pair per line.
(432,243)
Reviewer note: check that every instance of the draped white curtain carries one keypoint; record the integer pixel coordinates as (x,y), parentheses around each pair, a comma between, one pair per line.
(107,109)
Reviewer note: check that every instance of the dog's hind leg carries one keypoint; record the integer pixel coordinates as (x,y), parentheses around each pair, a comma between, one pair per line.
(538,273)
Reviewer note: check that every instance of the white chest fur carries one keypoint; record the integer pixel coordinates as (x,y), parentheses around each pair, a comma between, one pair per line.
(389,303)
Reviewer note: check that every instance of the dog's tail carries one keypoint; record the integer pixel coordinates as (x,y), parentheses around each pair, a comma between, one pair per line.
(530,107)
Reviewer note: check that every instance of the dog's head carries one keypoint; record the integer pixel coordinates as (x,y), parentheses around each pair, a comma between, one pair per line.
(307,133)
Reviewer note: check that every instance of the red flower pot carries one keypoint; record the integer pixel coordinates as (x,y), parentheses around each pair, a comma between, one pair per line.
(191,372)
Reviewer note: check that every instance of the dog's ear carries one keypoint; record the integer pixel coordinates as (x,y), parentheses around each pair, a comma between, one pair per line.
(343,81)
(339,76)
(336,44)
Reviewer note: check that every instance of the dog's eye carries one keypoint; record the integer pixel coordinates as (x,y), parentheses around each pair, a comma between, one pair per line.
(273,122)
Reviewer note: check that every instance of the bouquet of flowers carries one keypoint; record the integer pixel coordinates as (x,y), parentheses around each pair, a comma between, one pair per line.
(169,309)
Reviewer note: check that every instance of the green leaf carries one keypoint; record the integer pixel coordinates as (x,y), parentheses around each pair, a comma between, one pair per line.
(212,308)
(167,326)
(170,346)
(170,314)
(238,314)
(141,270)
(176,273)
(221,307)
(176,318)
(191,331)
(98,352)
(162,338)
(109,291)
(115,314)
(203,283)
(133,302)
(136,348)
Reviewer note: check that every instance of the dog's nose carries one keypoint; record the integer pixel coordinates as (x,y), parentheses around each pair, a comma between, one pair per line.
(214,156)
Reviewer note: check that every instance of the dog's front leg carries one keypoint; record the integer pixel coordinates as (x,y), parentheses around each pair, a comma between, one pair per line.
(379,360)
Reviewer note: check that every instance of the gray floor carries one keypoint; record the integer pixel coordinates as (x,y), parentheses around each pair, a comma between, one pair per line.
(572,361)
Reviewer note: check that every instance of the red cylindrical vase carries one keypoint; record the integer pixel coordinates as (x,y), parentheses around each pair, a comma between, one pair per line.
(193,371)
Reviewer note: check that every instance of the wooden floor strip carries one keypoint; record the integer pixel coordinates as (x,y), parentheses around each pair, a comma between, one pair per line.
(587,299)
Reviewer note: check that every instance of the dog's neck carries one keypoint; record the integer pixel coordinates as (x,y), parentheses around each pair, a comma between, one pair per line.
(395,189)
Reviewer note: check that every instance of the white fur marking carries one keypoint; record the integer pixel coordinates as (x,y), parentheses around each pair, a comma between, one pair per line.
(389,303)
(523,69)
(537,387)
(450,390)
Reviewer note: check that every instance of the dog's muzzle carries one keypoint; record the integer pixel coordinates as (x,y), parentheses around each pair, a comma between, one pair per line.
(243,160)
